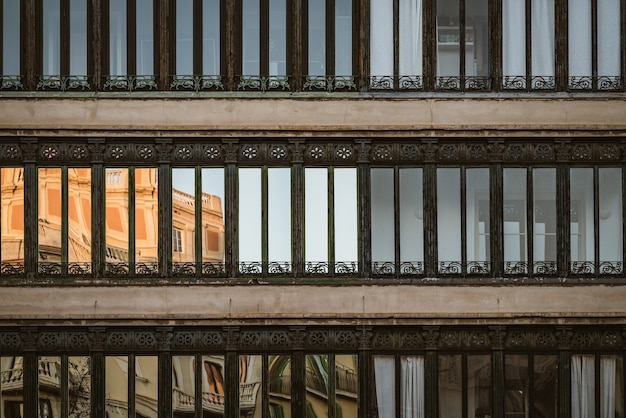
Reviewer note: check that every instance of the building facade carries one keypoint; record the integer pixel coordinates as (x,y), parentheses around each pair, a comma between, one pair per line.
(312,208)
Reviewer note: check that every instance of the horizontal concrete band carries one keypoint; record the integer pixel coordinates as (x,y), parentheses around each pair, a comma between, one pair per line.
(288,115)
(269,302)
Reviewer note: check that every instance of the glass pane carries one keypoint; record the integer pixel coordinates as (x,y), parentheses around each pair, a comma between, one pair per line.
(346,219)
(609,38)
(346,386)
(513,40)
(579,37)
(145,40)
(317,38)
(183,384)
(479,386)
(581,214)
(213,215)
(450,386)
(250,215)
(184,37)
(611,386)
(146,217)
(583,377)
(412,393)
(516,396)
(383,223)
(316,381)
(514,214)
(449,214)
(79,216)
(116,386)
(279,214)
(183,215)
(278,37)
(49,215)
(343,37)
(411,215)
(117,37)
(280,386)
(477,38)
(12,223)
(448,38)
(316,214)
(611,219)
(544,195)
(213,386)
(11,387)
(542,31)
(477,212)
(545,386)
(51,38)
(117,215)
(79,385)
(251,35)
(78,37)
(381,39)
(250,378)
(146,386)
(385,389)
(410,59)
(211,37)
(11,38)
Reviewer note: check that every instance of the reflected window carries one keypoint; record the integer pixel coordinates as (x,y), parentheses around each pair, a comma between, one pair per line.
(51,249)
(332,383)
(280,385)
(530,387)
(213,393)
(331,220)
(462,45)
(397,223)
(12,220)
(10,58)
(464,380)
(250,380)
(264,220)
(390,67)
(12,386)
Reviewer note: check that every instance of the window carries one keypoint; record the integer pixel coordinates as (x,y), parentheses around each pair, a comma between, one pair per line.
(586,400)
(10,59)
(531,386)
(405,373)
(177,244)
(332,384)
(12,225)
(464,386)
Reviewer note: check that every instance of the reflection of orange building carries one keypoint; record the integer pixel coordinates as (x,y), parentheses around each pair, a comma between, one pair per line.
(118,217)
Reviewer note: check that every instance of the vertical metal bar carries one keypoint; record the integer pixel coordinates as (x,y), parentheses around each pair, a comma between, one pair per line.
(530,220)
(131,221)
(396,44)
(94,42)
(364,218)
(594,45)
(164,198)
(98,386)
(330,38)
(463,202)
(198,15)
(31,33)
(265,402)
(495,44)
(563,222)
(332,384)
(30,364)
(264,38)
(199,371)
(227,42)
(98,211)
(64,385)
(64,38)
(431,387)
(264,221)
(430,220)
(296,49)
(529,56)
(131,37)
(496,198)
(564,385)
(331,221)
(162,48)
(297,214)
(131,386)
(561,44)
(359,68)
(231,367)
(64,221)
(105,62)
(165,385)
(430,44)
(231,206)
(31,203)
(396,222)
(198,226)
(462,62)
(596,220)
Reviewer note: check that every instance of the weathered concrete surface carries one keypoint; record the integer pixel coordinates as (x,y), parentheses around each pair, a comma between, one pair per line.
(88,115)
(393,304)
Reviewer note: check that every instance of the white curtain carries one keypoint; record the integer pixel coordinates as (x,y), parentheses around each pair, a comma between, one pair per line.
(513,38)
(381,38)
(609,38)
(410,37)
(384,373)
(607,386)
(412,379)
(542,30)
(579,34)
(583,386)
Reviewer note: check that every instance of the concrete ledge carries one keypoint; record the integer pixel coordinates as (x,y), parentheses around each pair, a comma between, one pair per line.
(89,115)
(268,302)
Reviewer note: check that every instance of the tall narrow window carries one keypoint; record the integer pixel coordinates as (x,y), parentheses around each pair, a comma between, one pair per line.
(528,45)
(10,59)
(586,381)
(464,386)
(397,221)
(132,385)
(328,63)
(50,220)
(12,220)
(530,385)
(594,44)
(331,222)
(409,380)
(12,386)
(462,45)
(331,384)
(264,220)
(390,67)
(131,46)
(79,219)
(64,45)
(264,59)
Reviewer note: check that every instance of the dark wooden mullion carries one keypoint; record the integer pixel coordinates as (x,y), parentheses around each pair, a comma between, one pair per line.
(64,44)
(174,39)
(197,39)
(529,56)
(231,205)
(162,53)
(429,29)
(30,36)
(131,37)
(498,383)
(198,226)
(264,221)
(397,363)
(2,35)
(227,43)
(431,375)
(464,385)
(598,399)
(531,385)
(98,211)
(30,367)
(331,221)
(304,9)
(197,379)
(330,38)
(462,44)
(594,46)
(64,221)
(563,222)
(430,220)
(131,385)
(295,45)
(530,221)
(164,384)
(495,44)
(596,220)
(396,45)
(623,50)
(231,384)
(264,38)
(463,202)
(165,217)
(364,371)
(355,14)
(64,385)
(131,221)
(38,51)
(360,58)
(365,220)
(31,224)
(297,220)
(265,387)
(561,44)
(564,384)
(289,41)
(496,219)
(298,385)
(94,61)
(623,217)
(332,380)
(105,34)
(396,221)
(237,35)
